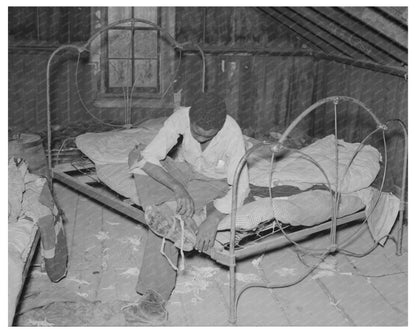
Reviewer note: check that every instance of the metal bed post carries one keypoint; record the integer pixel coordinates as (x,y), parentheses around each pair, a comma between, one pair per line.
(399,243)
(232,265)
(333,235)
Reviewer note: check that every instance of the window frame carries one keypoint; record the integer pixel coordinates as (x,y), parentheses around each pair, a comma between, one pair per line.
(117,92)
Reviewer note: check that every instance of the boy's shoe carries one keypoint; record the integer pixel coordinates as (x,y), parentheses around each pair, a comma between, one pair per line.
(164,223)
(150,309)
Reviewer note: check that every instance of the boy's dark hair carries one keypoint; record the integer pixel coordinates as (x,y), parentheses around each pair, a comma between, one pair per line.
(208,111)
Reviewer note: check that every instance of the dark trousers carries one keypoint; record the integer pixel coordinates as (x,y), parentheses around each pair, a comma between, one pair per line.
(155,272)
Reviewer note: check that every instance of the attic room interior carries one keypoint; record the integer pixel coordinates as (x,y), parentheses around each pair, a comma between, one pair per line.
(207,166)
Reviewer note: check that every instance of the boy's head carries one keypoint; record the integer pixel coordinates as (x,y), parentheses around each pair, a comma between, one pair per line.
(208,111)
(207,116)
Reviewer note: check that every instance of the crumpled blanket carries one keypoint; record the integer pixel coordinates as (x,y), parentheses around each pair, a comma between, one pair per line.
(381,211)
(26,207)
(113,147)
(16,186)
(294,169)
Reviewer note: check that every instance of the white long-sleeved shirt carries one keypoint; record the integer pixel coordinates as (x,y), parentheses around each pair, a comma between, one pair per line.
(219,160)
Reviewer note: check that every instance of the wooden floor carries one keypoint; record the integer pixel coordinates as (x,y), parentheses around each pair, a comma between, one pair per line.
(105,255)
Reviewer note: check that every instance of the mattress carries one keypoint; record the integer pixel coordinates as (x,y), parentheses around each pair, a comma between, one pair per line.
(109,151)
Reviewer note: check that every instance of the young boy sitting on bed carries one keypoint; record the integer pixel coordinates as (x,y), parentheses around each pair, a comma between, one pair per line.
(184,199)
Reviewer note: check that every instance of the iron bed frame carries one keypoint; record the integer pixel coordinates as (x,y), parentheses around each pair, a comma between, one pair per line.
(230,257)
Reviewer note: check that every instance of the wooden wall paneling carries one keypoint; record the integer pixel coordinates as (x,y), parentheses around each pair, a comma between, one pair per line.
(388,99)
(332,87)
(30,88)
(259,69)
(379,83)
(189,24)
(269,87)
(76,111)
(345,110)
(292,93)
(79,23)
(18,72)
(212,71)
(59,89)
(41,91)
(191,76)
(395,137)
(220,75)
(320,86)
(302,91)
(219,25)
(232,85)
(87,88)
(279,77)
(247,94)
(248,27)
(291,81)
(21,86)
(23,22)
(355,112)
(319,43)
(320,28)
(365,123)
(353,16)
(14,116)
(283,68)
(315,93)
(27,87)
(51,25)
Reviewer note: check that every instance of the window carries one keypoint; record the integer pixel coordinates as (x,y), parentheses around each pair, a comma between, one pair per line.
(132,53)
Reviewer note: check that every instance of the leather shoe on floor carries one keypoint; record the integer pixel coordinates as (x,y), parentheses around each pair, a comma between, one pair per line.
(150,309)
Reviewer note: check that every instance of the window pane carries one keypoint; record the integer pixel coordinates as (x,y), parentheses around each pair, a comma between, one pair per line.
(145,44)
(146,73)
(119,73)
(119,44)
(145,13)
(119,13)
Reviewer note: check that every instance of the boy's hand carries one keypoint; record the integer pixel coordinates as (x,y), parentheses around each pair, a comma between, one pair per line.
(185,204)
(207,231)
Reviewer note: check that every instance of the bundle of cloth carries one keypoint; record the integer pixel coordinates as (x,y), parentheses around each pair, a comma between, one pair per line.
(304,189)
(31,209)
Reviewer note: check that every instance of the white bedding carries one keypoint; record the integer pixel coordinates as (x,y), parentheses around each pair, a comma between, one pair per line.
(307,209)
(113,148)
(109,151)
(296,170)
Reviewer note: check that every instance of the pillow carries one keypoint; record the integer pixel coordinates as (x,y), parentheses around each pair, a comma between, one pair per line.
(306,208)
(296,170)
